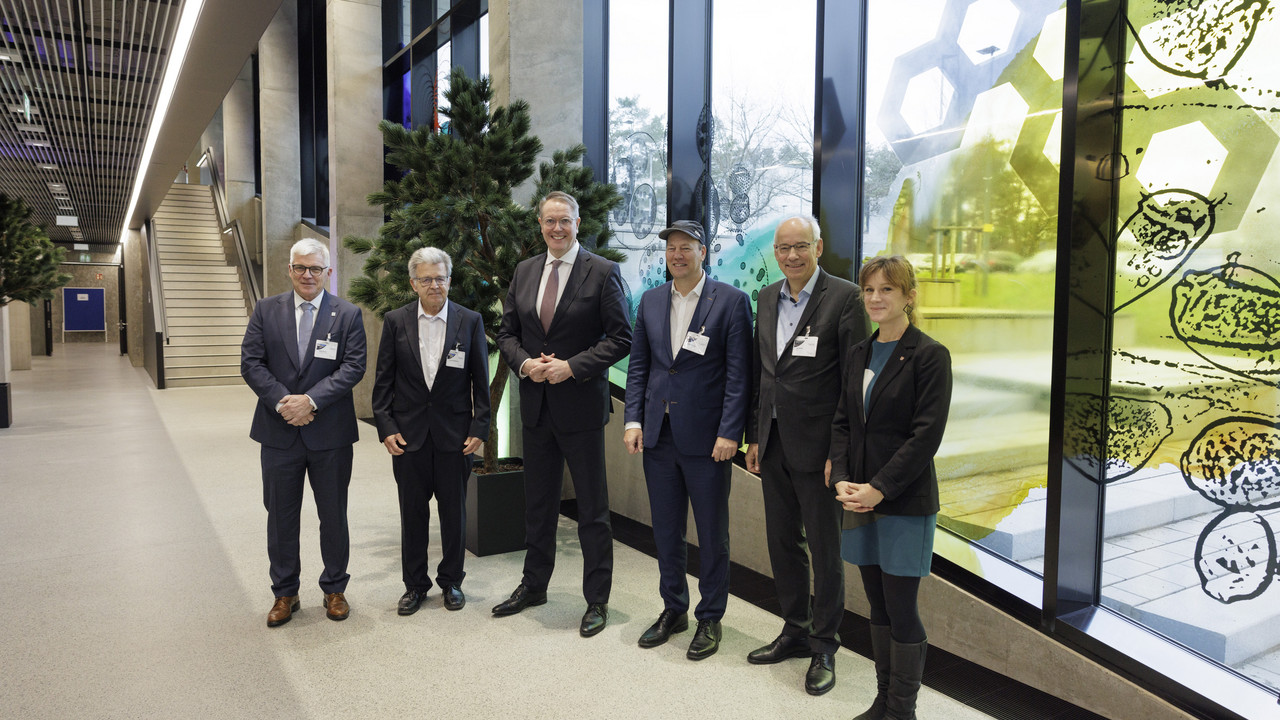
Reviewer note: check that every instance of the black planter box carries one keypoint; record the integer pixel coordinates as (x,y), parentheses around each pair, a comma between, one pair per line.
(495,512)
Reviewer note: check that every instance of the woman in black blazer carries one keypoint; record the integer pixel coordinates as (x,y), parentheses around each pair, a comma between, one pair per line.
(887,428)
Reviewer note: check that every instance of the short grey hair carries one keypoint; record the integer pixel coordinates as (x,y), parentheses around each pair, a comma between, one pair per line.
(430,256)
(563,197)
(815,230)
(309,246)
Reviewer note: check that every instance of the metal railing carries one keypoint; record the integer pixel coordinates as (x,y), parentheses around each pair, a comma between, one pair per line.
(155,327)
(232,234)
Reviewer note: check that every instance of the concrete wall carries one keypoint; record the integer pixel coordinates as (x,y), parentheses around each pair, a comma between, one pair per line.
(281,159)
(19,322)
(135,290)
(955,620)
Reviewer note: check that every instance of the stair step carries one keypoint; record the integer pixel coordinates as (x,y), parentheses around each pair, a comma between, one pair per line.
(213,248)
(217,335)
(171,304)
(172,242)
(990,444)
(203,286)
(209,323)
(202,351)
(209,271)
(202,382)
(205,312)
(173,277)
(190,294)
(198,367)
(203,341)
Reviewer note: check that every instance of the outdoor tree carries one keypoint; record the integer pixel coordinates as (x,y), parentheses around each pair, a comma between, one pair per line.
(454,192)
(28,259)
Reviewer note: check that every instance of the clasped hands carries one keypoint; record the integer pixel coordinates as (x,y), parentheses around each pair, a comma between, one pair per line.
(548,368)
(296,410)
(724,448)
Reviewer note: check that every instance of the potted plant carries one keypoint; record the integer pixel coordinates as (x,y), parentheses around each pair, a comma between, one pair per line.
(28,271)
(453,191)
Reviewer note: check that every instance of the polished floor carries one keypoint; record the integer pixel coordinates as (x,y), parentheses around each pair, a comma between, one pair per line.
(134,538)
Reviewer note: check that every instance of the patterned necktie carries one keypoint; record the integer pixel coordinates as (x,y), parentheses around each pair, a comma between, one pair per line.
(548,308)
(304,331)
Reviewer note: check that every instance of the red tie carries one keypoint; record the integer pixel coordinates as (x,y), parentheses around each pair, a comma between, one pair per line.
(548,308)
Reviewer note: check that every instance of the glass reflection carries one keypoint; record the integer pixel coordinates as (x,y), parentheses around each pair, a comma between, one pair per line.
(1193,460)
(961,176)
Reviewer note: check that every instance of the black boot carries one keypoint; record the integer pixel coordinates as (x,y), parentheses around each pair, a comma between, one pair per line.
(906,667)
(879,654)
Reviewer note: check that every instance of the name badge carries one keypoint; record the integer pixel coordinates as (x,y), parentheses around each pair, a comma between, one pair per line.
(455,359)
(696,342)
(805,346)
(326,350)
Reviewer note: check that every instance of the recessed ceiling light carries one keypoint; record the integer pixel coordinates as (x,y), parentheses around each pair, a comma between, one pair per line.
(46,166)
(22,109)
(10,55)
(38,143)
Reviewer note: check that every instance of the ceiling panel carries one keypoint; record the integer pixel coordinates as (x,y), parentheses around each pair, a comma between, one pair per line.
(78,80)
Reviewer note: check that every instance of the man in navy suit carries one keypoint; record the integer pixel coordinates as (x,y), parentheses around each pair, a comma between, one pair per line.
(564,322)
(431,406)
(688,387)
(303,352)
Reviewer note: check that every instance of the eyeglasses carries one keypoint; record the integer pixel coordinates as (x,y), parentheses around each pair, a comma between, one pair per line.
(801,248)
(429,281)
(307,269)
(553,223)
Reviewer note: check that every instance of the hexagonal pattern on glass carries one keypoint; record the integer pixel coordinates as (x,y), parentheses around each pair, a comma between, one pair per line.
(987,29)
(1052,44)
(926,100)
(1188,157)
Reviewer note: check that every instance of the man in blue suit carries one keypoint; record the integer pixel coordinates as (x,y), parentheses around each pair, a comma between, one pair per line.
(688,387)
(303,352)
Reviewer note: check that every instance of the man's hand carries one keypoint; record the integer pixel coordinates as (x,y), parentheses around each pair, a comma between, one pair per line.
(295,407)
(634,440)
(858,497)
(724,449)
(555,370)
(471,446)
(537,368)
(753,458)
(304,420)
(395,444)
(826,473)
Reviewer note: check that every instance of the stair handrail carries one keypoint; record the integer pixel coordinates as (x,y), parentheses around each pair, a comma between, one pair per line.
(155,327)
(227,225)
(157,286)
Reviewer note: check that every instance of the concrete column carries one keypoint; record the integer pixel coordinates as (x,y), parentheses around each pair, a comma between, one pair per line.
(238,134)
(135,294)
(535,54)
(19,336)
(281,158)
(354,62)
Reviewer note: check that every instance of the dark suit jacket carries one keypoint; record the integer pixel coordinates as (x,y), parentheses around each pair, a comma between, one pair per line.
(456,407)
(590,330)
(269,364)
(707,394)
(804,389)
(893,447)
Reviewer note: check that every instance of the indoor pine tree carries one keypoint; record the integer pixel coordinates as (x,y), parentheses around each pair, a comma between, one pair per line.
(28,272)
(454,192)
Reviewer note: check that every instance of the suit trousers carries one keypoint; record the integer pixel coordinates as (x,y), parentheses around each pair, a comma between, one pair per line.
(799,505)
(545,452)
(675,481)
(421,474)
(284,472)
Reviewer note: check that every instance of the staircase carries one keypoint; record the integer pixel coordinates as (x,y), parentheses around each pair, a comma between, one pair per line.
(203,298)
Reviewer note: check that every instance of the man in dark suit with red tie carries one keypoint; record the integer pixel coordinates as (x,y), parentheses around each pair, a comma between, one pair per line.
(564,323)
(688,388)
(431,406)
(303,352)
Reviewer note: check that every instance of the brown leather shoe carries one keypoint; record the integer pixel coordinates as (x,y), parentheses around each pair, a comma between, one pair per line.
(282,611)
(337,606)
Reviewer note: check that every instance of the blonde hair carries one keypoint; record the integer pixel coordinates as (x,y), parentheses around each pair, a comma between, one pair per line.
(898,271)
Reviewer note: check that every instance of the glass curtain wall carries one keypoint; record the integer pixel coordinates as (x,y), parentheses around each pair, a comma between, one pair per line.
(1192,471)
(963,118)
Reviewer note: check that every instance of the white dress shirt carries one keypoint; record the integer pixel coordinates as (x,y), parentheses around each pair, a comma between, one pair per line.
(431,340)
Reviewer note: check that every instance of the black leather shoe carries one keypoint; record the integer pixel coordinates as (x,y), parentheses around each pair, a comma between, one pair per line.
(669,622)
(522,598)
(706,641)
(822,674)
(453,598)
(784,647)
(594,620)
(410,601)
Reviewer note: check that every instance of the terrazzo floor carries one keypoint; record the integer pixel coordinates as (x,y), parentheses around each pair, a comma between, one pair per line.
(133,536)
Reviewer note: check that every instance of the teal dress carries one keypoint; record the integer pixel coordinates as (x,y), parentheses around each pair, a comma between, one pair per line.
(900,544)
